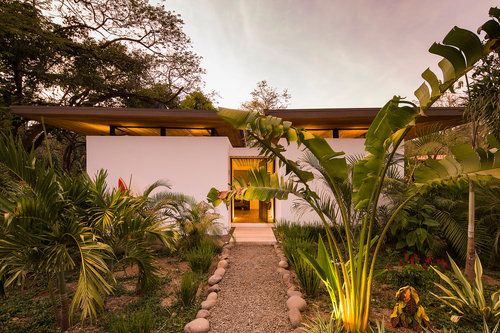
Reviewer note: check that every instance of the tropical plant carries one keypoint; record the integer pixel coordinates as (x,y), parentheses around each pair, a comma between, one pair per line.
(42,235)
(200,257)
(291,247)
(320,324)
(129,224)
(140,321)
(413,275)
(295,230)
(189,287)
(307,277)
(465,299)
(195,219)
(413,227)
(408,312)
(346,267)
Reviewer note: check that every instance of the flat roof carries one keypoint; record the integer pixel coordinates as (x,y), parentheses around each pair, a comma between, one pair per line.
(99,120)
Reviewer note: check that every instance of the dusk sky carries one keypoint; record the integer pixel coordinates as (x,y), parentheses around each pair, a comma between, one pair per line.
(356,53)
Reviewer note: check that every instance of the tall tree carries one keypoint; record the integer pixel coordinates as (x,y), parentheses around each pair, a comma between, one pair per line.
(482,111)
(197,100)
(92,53)
(265,97)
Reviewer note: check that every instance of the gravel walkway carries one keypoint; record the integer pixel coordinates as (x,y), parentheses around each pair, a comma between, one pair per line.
(252,297)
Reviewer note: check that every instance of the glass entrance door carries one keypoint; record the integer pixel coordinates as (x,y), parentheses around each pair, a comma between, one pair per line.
(253,211)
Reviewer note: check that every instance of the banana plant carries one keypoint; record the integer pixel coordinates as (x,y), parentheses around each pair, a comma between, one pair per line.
(346,267)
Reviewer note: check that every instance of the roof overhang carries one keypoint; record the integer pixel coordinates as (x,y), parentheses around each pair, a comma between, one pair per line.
(98,120)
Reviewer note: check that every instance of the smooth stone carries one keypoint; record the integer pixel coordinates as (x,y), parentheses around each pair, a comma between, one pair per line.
(199,325)
(298,330)
(222,264)
(295,317)
(220,272)
(283,264)
(215,288)
(208,304)
(281,270)
(296,302)
(214,279)
(212,296)
(291,293)
(203,313)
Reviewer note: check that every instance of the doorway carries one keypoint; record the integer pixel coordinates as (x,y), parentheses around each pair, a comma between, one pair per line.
(253,211)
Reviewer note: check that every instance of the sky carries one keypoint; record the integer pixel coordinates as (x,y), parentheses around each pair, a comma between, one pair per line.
(327,53)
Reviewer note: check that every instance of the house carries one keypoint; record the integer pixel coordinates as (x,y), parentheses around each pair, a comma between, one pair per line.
(195,150)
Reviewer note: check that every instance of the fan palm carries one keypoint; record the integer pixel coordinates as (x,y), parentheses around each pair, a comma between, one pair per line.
(129,224)
(42,234)
(194,219)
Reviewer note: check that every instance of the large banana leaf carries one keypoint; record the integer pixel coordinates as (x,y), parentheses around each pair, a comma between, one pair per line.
(463,162)
(259,185)
(387,128)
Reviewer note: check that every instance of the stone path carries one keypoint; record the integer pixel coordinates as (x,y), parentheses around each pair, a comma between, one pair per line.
(253,297)
(254,235)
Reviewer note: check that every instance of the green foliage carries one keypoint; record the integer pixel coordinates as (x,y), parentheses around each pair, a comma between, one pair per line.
(408,312)
(200,257)
(189,286)
(40,233)
(413,227)
(467,300)
(140,321)
(409,275)
(291,247)
(129,223)
(320,324)
(197,100)
(307,277)
(287,230)
(193,218)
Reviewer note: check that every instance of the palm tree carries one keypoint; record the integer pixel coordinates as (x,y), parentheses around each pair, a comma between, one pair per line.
(129,224)
(42,235)
(195,219)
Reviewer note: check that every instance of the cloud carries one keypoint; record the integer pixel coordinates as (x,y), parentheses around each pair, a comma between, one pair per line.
(327,53)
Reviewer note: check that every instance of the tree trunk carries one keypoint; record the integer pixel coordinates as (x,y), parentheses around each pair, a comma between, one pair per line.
(64,306)
(2,288)
(471,252)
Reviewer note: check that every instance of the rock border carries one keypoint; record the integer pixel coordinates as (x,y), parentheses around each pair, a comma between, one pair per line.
(201,324)
(295,302)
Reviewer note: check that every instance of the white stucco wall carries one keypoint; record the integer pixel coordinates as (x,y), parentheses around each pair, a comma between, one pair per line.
(192,165)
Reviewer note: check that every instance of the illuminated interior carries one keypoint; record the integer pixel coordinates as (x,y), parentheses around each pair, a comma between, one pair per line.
(157,131)
(344,133)
(252,211)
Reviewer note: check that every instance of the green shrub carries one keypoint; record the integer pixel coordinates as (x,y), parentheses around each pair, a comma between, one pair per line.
(200,257)
(291,247)
(140,321)
(410,275)
(308,279)
(311,231)
(189,287)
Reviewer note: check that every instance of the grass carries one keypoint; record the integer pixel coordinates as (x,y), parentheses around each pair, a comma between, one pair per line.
(200,258)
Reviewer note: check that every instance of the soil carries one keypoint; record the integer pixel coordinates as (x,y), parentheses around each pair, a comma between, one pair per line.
(252,296)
